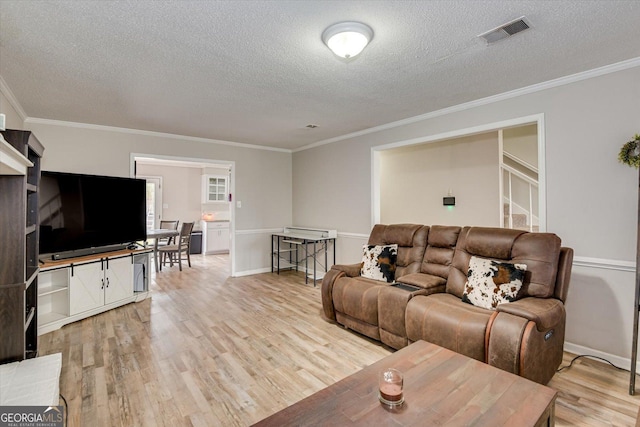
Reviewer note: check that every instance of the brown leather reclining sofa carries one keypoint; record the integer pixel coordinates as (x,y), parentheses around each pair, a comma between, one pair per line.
(525,336)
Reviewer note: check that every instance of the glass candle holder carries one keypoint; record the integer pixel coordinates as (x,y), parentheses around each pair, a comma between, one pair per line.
(391,385)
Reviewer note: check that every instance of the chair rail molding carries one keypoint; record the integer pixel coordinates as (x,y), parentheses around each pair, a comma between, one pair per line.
(606,264)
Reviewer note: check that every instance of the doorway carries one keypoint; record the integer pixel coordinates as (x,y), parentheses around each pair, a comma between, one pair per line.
(483,187)
(154,201)
(176,191)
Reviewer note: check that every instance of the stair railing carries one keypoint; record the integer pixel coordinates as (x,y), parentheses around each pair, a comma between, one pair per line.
(532,184)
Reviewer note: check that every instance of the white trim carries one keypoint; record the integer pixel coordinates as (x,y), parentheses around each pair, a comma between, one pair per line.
(621,362)
(252,272)
(538,119)
(519,160)
(584,75)
(353,235)
(519,174)
(542,174)
(605,264)
(151,133)
(375,186)
(501,178)
(12,162)
(561,81)
(232,189)
(156,179)
(260,231)
(4,88)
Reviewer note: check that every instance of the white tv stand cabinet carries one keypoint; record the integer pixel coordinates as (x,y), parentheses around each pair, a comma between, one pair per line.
(76,288)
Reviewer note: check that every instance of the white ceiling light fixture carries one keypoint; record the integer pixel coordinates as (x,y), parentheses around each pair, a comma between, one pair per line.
(347,39)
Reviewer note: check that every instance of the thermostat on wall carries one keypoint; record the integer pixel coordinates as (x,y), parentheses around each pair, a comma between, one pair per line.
(449,201)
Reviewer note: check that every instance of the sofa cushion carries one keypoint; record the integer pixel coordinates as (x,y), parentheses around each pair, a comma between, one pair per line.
(411,240)
(357,298)
(444,320)
(441,244)
(424,281)
(379,262)
(490,283)
(538,251)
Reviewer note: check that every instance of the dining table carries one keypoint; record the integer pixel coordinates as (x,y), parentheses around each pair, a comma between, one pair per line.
(157,234)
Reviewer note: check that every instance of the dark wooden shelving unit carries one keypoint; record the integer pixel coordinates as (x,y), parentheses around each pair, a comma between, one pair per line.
(19,264)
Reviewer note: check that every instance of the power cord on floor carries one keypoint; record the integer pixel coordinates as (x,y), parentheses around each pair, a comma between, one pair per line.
(66,410)
(588,355)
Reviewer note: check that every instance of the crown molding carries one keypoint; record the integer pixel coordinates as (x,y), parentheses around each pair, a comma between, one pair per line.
(607,69)
(151,133)
(4,88)
(561,81)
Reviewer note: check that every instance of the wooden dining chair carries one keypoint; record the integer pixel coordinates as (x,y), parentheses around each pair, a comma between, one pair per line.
(173,252)
(167,225)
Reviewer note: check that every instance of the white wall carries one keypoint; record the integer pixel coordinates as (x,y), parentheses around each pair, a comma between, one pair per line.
(263,177)
(12,118)
(522,142)
(591,198)
(414,179)
(181,192)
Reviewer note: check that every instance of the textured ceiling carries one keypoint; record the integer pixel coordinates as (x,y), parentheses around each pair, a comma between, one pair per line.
(257,72)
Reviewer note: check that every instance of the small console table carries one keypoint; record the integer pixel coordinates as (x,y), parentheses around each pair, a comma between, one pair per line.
(298,245)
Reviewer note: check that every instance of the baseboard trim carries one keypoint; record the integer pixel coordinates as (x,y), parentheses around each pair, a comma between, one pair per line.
(252,272)
(259,231)
(621,362)
(353,235)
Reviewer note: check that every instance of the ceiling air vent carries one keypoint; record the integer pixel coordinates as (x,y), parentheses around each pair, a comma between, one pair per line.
(505,30)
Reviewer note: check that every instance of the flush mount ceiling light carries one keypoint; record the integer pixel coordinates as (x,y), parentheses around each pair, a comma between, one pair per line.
(347,39)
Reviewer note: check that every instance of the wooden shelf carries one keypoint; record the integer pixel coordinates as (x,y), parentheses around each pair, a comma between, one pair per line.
(20,154)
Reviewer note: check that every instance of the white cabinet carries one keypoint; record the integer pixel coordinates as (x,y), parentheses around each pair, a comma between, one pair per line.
(86,287)
(78,288)
(215,188)
(216,237)
(99,283)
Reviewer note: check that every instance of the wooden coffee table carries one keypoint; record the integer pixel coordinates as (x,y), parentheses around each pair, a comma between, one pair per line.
(440,388)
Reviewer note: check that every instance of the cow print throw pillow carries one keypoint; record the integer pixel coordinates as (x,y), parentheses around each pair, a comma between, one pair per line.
(379,262)
(490,283)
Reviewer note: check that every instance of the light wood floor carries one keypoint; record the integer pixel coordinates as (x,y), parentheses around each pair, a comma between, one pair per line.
(209,350)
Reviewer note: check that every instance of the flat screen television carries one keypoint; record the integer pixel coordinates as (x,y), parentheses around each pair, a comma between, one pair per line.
(83,214)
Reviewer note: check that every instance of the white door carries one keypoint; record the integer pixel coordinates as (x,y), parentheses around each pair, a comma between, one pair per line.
(118,280)
(86,288)
(154,201)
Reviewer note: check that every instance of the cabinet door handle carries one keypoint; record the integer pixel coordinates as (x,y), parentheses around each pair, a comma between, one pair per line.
(107,282)
(102,287)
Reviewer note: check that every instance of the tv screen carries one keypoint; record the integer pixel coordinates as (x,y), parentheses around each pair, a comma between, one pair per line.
(89,211)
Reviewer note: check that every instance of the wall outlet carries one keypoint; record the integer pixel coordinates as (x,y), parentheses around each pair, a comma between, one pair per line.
(238,204)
